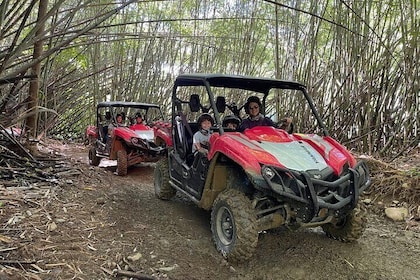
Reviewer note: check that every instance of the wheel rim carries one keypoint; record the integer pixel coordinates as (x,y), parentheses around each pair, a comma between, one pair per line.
(340,223)
(225,225)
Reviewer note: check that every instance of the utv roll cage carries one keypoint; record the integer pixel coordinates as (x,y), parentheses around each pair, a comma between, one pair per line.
(261,85)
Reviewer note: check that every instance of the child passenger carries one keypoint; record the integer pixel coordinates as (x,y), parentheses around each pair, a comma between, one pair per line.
(202,136)
(231,122)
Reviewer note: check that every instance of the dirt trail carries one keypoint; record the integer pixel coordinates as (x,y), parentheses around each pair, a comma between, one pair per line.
(106,223)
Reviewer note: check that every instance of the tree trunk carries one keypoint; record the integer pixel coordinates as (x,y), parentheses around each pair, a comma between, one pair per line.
(31,121)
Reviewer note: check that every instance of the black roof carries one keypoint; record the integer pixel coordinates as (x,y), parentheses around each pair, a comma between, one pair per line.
(137,105)
(235,81)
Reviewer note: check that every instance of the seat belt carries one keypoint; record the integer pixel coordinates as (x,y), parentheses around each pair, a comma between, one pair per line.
(179,127)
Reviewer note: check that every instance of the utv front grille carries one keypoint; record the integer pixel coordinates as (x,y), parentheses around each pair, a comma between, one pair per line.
(319,191)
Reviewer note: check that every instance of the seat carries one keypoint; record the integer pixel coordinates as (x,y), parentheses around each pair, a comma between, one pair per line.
(105,133)
(105,126)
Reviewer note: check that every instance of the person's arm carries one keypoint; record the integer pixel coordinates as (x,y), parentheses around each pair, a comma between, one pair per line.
(200,143)
(268,122)
(197,146)
(244,125)
(196,142)
(286,124)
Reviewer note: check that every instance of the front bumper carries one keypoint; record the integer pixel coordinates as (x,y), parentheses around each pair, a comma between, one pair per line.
(338,194)
(146,147)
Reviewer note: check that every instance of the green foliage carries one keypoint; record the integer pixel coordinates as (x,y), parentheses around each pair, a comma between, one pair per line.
(413,172)
(356,57)
(74,56)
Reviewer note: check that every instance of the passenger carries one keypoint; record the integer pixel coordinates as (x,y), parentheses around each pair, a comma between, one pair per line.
(119,120)
(255,118)
(112,126)
(231,122)
(202,136)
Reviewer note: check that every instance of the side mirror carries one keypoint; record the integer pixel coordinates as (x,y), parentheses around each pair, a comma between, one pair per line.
(221,104)
(194,103)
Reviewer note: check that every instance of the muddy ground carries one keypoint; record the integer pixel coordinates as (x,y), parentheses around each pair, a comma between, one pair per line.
(96,225)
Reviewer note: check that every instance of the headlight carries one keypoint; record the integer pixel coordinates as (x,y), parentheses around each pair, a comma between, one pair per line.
(268,172)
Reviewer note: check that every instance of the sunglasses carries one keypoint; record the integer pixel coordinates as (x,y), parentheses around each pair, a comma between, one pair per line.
(255,107)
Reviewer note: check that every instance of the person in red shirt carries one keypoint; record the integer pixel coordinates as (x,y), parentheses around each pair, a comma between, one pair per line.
(139,123)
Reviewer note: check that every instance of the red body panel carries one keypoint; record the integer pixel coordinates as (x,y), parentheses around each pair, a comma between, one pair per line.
(163,131)
(343,150)
(246,148)
(139,127)
(268,133)
(91,131)
(124,133)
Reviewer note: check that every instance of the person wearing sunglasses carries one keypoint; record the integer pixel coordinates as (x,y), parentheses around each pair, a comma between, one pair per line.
(255,118)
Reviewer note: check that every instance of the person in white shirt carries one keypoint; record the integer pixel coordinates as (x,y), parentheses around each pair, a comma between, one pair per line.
(202,136)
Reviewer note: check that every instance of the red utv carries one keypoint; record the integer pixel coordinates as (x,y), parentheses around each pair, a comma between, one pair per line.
(264,177)
(126,142)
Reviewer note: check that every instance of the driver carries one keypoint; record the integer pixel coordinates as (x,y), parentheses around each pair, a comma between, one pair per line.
(139,123)
(255,118)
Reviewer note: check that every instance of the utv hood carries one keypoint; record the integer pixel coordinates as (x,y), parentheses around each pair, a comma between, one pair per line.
(298,152)
(296,155)
(145,134)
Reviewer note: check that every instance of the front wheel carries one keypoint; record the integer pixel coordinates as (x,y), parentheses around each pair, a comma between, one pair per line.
(163,189)
(93,158)
(348,228)
(234,225)
(122,162)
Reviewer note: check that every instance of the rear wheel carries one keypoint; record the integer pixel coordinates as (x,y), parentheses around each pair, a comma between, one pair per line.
(348,228)
(93,158)
(234,225)
(163,189)
(122,162)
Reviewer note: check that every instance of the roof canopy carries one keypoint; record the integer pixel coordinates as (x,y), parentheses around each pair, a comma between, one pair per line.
(136,105)
(263,85)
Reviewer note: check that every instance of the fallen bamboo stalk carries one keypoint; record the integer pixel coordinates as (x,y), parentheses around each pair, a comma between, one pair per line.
(11,198)
(120,272)
(13,140)
(107,270)
(8,249)
(138,275)
(54,264)
(11,229)
(14,262)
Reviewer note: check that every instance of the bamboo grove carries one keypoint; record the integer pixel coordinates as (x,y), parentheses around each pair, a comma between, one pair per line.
(359,59)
